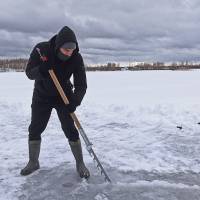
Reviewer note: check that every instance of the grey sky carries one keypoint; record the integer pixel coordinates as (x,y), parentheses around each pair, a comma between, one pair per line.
(114,30)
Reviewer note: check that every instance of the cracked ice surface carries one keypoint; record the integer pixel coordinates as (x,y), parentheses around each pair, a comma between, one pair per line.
(131,119)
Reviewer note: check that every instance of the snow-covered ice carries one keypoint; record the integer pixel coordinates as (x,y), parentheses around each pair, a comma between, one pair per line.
(131,119)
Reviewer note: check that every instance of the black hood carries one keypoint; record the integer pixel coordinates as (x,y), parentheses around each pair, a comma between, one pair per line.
(63,36)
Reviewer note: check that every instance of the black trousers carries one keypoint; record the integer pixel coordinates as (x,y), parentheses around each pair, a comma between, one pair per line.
(41,112)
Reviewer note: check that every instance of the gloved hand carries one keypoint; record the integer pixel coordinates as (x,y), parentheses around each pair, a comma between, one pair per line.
(47,64)
(44,67)
(71,107)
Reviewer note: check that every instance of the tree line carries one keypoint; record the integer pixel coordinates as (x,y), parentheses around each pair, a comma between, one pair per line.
(19,64)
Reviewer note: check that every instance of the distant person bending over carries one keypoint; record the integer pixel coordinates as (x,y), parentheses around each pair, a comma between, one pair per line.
(60,53)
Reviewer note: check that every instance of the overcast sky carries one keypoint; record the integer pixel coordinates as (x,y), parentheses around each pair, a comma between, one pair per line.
(107,30)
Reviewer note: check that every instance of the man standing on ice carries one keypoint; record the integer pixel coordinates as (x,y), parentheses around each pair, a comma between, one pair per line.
(60,53)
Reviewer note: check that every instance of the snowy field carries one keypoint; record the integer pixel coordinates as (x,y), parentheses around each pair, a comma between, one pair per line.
(131,119)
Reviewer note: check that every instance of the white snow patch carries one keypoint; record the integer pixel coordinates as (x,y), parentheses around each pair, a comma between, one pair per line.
(130,117)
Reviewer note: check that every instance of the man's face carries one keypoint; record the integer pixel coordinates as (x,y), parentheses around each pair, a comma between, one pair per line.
(67,52)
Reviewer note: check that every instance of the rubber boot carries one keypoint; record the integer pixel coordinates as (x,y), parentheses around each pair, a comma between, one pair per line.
(33,164)
(80,166)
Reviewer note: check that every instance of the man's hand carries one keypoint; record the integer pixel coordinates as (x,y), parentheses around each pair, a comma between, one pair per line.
(45,66)
(70,108)
(46,63)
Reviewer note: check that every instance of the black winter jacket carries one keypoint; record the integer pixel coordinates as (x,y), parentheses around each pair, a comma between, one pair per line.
(63,69)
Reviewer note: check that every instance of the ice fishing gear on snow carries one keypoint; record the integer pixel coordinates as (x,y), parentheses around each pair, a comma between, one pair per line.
(181,127)
(79,127)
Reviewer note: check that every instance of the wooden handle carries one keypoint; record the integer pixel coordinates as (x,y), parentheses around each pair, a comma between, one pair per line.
(63,96)
(58,86)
